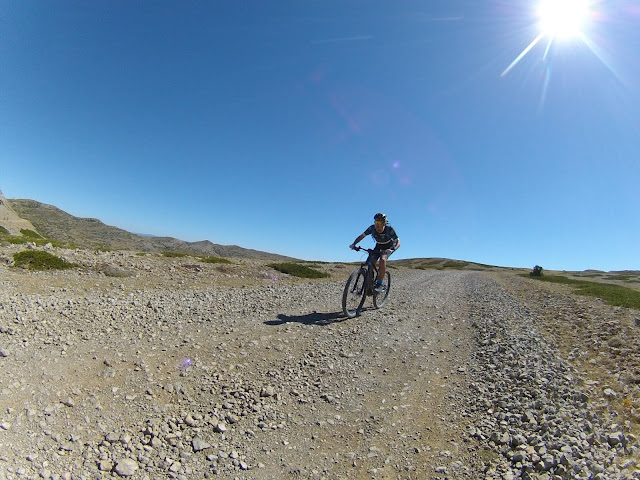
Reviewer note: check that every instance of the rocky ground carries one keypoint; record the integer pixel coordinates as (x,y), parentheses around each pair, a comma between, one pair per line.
(148,367)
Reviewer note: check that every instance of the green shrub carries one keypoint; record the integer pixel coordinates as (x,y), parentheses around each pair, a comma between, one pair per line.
(15,240)
(31,237)
(455,264)
(38,260)
(424,263)
(215,260)
(624,277)
(3,231)
(615,295)
(30,234)
(298,270)
(174,254)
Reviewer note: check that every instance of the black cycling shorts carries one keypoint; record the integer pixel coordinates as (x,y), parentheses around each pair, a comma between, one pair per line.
(379,248)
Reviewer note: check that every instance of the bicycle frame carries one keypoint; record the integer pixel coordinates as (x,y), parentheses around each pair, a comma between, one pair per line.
(371,274)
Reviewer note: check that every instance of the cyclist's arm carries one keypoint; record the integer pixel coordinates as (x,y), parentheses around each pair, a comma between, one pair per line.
(395,246)
(355,242)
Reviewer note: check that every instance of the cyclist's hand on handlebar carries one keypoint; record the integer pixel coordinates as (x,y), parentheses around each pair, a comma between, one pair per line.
(352,246)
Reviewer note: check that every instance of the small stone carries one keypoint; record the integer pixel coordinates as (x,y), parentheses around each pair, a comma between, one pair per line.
(231,418)
(199,444)
(126,467)
(546,463)
(615,438)
(267,391)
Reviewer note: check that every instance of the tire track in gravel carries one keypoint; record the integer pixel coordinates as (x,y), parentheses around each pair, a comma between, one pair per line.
(387,384)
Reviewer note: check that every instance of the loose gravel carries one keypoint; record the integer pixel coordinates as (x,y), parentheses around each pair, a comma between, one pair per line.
(147,367)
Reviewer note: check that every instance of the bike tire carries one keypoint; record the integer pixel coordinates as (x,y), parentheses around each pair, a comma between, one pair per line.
(354,293)
(379,299)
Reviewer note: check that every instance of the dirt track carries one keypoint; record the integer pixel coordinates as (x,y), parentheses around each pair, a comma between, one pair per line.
(183,372)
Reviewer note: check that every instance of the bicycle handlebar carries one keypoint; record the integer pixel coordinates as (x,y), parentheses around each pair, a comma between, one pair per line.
(357,249)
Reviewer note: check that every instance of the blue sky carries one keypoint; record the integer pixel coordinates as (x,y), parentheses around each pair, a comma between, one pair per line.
(284,126)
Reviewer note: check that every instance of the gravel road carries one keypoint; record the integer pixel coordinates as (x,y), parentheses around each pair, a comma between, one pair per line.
(150,368)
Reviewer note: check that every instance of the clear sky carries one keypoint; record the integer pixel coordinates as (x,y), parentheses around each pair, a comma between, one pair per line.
(483,133)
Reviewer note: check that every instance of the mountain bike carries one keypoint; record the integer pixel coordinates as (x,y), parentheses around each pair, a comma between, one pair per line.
(361,284)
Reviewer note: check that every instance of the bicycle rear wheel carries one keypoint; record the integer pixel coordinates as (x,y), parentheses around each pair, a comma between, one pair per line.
(379,299)
(354,293)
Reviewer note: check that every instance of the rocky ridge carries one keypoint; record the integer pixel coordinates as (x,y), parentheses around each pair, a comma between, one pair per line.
(143,367)
(58,225)
(10,220)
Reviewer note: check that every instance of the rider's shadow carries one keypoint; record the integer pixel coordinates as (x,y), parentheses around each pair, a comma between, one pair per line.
(314,318)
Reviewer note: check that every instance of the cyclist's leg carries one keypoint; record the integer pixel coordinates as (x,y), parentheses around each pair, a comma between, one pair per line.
(382,264)
(382,269)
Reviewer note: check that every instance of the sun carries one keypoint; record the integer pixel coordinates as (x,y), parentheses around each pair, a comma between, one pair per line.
(558,20)
(563,19)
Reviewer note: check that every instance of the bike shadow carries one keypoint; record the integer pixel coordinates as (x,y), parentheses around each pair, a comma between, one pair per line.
(315,318)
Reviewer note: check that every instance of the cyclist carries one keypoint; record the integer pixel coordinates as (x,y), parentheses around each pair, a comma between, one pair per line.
(387,242)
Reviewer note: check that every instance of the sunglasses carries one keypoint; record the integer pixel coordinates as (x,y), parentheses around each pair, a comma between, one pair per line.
(379,222)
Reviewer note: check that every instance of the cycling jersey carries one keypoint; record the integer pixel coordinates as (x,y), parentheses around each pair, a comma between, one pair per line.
(387,235)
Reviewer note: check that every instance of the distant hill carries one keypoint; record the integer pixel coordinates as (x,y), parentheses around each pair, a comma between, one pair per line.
(445,263)
(60,226)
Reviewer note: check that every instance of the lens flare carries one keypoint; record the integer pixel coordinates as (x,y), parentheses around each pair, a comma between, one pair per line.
(558,19)
(185,366)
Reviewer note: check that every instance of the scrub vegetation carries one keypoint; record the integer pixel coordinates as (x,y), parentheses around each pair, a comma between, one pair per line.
(39,260)
(298,270)
(616,295)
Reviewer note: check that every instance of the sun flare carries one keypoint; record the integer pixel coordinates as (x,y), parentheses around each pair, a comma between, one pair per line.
(558,20)
(563,18)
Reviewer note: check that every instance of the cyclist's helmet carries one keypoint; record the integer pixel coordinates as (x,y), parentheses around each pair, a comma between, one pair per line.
(380,217)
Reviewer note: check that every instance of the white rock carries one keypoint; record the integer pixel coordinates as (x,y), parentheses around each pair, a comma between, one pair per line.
(126,467)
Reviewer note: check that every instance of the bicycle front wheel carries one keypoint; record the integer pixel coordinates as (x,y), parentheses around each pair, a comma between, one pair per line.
(354,293)
(379,299)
